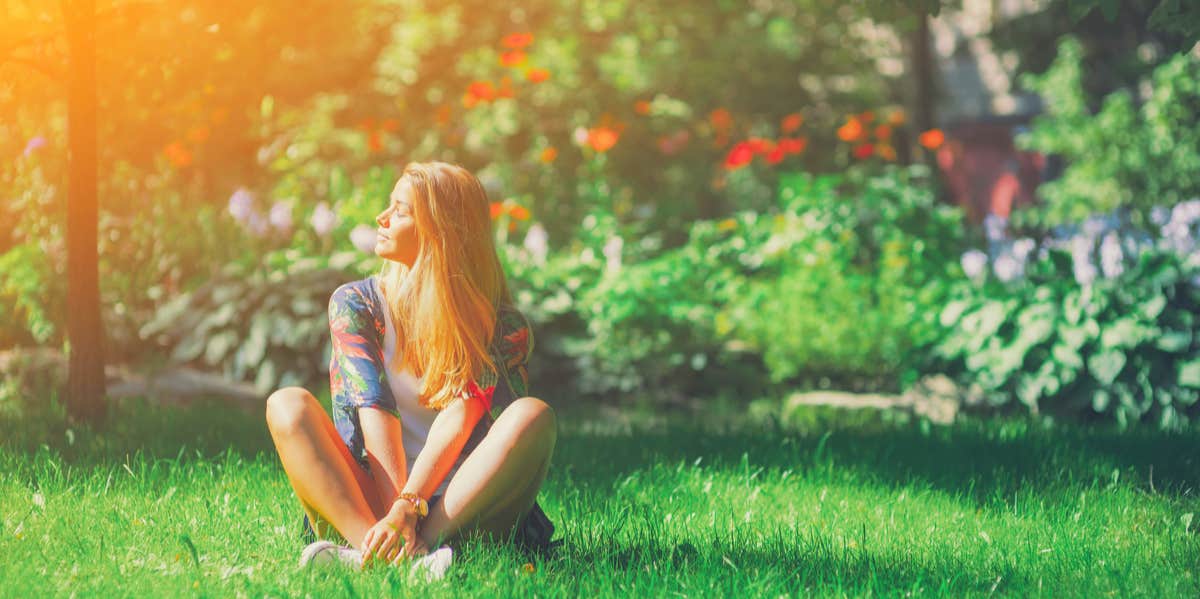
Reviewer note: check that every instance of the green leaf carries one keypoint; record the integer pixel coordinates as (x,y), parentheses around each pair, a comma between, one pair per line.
(255,347)
(953,312)
(264,381)
(1126,333)
(1189,373)
(1067,357)
(1174,341)
(218,346)
(1106,365)
(1154,306)
(1100,400)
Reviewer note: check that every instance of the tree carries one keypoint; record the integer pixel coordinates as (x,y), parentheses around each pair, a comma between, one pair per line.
(85,378)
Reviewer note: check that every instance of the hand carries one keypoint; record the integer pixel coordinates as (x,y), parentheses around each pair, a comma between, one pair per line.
(394,536)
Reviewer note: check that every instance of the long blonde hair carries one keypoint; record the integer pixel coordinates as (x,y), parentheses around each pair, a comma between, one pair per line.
(444,305)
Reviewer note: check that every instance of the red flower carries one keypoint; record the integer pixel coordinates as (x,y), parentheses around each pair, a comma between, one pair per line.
(759,145)
(516,41)
(482,90)
(496,209)
(512,58)
(883,132)
(519,212)
(537,75)
(792,122)
(852,131)
(792,145)
(548,155)
(932,139)
(776,156)
(740,155)
(864,151)
(375,142)
(641,107)
(602,139)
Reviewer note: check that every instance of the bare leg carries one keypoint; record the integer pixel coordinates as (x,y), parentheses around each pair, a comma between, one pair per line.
(329,483)
(498,482)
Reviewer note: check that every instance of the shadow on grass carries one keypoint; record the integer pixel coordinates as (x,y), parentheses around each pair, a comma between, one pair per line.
(979,460)
(136,427)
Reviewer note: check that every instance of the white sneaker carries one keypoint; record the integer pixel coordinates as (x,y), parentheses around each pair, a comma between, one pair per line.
(434,564)
(328,552)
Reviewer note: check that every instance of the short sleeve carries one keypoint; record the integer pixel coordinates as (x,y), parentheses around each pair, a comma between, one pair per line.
(357,373)
(511,349)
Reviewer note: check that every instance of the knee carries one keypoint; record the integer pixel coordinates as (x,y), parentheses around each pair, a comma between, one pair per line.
(536,418)
(286,409)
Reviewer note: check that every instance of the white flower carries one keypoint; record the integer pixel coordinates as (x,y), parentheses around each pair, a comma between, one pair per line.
(537,242)
(280,216)
(363,238)
(1111,256)
(994,226)
(241,205)
(1095,226)
(323,219)
(1081,256)
(1007,267)
(580,136)
(1022,248)
(1186,213)
(612,253)
(974,263)
(1159,215)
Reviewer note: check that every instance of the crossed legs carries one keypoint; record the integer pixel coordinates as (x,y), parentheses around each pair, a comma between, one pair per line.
(492,489)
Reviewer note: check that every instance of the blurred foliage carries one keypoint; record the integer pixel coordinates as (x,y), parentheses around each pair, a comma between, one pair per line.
(852,272)
(1123,347)
(1132,154)
(1118,48)
(266,323)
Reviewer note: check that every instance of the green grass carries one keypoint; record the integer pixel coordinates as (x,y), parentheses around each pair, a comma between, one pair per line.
(193,502)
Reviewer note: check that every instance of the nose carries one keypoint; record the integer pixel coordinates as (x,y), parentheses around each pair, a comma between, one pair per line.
(383,218)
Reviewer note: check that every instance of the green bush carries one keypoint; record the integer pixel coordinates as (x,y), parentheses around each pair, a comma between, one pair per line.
(1133,154)
(852,273)
(265,324)
(1122,347)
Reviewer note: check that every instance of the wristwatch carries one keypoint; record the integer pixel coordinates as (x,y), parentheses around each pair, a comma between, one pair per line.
(421,505)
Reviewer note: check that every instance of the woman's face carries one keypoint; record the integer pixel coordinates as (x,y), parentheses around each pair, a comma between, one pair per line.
(396,238)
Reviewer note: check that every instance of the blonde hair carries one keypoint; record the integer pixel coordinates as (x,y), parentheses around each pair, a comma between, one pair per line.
(444,305)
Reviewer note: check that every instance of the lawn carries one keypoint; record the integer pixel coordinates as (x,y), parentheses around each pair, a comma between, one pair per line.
(192,502)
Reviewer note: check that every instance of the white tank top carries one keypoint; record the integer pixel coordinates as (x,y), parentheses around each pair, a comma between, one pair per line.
(415,419)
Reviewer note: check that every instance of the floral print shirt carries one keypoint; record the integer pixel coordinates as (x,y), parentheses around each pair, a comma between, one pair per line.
(358,374)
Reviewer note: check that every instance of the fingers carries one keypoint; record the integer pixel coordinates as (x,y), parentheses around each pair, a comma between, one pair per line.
(379,544)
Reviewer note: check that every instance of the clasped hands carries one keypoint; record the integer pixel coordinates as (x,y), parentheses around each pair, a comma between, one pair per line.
(395,536)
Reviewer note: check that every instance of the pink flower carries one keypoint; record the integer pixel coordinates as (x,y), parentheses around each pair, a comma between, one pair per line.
(323,219)
(363,238)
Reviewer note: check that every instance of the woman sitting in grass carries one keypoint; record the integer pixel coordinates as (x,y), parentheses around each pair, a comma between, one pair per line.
(424,355)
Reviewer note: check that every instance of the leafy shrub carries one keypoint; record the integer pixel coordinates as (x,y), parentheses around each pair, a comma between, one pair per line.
(1132,154)
(1065,337)
(851,273)
(32,296)
(265,324)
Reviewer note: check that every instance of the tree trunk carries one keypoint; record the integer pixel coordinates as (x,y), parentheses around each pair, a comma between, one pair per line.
(85,378)
(923,71)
